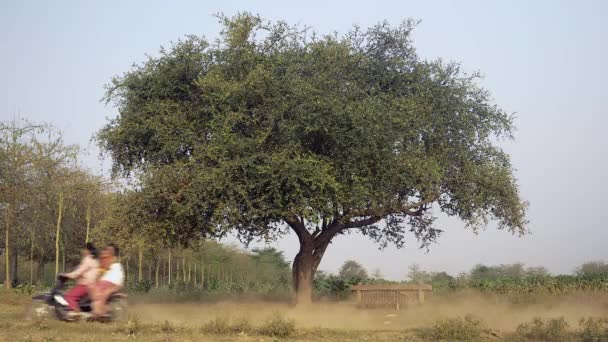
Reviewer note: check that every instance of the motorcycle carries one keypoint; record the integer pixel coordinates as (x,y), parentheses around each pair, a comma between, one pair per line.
(53,303)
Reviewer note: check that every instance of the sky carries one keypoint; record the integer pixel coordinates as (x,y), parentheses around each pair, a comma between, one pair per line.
(543,60)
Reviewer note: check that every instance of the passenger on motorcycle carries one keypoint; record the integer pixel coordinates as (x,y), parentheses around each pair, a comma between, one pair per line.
(85,275)
(111,280)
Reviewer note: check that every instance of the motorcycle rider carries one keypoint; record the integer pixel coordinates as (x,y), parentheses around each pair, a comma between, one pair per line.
(111,280)
(85,275)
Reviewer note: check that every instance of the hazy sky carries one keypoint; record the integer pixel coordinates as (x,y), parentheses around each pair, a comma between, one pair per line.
(544,60)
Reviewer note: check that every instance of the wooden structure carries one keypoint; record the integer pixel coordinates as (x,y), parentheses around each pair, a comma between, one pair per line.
(391,295)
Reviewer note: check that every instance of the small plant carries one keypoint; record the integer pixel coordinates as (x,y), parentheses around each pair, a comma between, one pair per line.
(593,329)
(132,327)
(167,327)
(219,325)
(453,329)
(241,325)
(26,289)
(552,330)
(143,286)
(277,326)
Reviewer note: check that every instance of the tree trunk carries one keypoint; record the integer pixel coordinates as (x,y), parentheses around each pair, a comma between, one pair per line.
(156,275)
(32,262)
(163,280)
(14,268)
(169,267)
(303,276)
(202,272)
(40,271)
(312,248)
(60,211)
(139,268)
(184,279)
(7,264)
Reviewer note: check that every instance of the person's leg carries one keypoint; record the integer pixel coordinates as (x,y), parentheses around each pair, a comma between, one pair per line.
(101,294)
(73,295)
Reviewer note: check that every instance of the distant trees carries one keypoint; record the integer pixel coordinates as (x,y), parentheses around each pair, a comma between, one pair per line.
(352,271)
(513,271)
(417,275)
(592,267)
(47,201)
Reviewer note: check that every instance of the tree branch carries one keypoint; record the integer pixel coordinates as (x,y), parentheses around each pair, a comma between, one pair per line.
(404,209)
(371,216)
(298,227)
(363,222)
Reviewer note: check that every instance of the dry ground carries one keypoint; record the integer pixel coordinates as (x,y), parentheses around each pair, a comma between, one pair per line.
(321,322)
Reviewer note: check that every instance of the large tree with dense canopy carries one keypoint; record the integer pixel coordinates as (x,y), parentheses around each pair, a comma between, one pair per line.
(272,128)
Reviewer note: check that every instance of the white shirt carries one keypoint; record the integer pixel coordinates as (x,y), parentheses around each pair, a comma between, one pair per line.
(114,275)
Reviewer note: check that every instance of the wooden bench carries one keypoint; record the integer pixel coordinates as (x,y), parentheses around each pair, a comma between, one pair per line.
(395,296)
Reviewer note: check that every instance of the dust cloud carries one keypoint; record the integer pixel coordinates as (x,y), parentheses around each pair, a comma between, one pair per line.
(495,311)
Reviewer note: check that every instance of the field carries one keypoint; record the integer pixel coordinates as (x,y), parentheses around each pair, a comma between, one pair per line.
(460,316)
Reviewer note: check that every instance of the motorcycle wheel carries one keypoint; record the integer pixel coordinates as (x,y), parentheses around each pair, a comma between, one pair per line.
(118,309)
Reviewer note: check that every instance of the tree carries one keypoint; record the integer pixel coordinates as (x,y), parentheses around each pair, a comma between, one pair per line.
(592,267)
(538,271)
(272,125)
(513,271)
(16,159)
(352,270)
(417,275)
(441,277)
(377,274)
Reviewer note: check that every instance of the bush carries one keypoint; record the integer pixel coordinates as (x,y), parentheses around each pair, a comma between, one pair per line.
(26,289)
(222,325)
(241,325)
(219,325)
(167,327)
(143,286)
(277,326)
(131,328)
(453,329)
(593,329)
(552,330)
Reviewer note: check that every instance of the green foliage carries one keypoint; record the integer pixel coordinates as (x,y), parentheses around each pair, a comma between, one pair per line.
(27,289)
(268,125)
(592,267)
(551,330)
(277,326)
(333,287)
(143,286)
(353,272)
(513,271)
(453,329)
(561,284)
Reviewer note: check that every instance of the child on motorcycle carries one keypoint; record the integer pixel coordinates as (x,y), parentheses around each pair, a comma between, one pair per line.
(85,275)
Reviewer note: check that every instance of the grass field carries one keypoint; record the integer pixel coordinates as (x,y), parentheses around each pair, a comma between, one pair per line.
(463,316)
